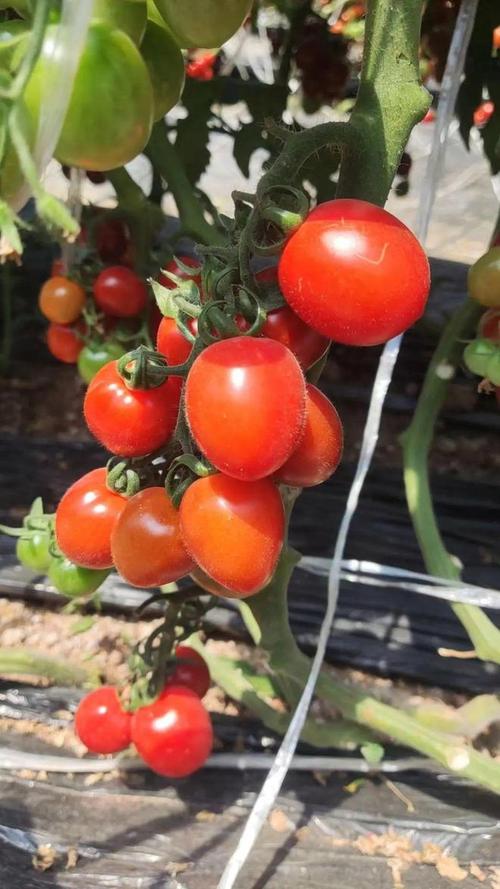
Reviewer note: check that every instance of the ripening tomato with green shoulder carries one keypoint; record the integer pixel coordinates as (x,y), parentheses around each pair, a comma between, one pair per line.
(234,530)
(126,15)
(85,519)
(102,723)
(245,405)
(146,542)
(165,64)
(130,422)
(110,113)
(74,581)
(33,551)
(320,450)
(484,279)
(354,273)
(65,342)
(61,300)
(203,23)
(96,355)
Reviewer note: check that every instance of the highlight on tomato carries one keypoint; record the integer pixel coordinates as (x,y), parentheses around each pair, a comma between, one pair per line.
(101,722)
(354,273)
(320,451)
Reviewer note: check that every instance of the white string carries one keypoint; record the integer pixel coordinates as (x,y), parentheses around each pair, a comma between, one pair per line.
(284,757)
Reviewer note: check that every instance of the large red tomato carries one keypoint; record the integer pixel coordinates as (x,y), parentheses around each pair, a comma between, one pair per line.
(130,422)
(85,519)
(319,452)
(355,273)
(234,530)
(146,542)
(245,405)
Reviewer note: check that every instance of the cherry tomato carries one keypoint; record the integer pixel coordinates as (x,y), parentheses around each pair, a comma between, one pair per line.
(74,581)
(93,357)
(61,300)
(202,68)
(112,238)
(489,325)
(129,17)
(484,279)
(245,405)
(85,518)
(146,542)
(110,113)
(478,355)
(130,422)
(65,343)
(101,723)
(172,343)
(33,551)
(165,64)
(175,269)
(203,23)
(496,37)
(319,452)
(355,273)
(174,735)
(190,671)
(234,530)
(119,292)
(483,114)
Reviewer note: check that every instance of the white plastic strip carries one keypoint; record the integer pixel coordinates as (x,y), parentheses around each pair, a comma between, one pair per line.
(284,757)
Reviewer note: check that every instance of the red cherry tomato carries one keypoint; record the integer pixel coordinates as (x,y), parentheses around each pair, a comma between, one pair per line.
(489,325)
(245,403)
(234,530)
(85,519)
(174,735)
(146,542)
(355,273)
(496,37)
(118,291)
(174,268)
(483,113)
(112,238)
(319,452)
(64,342)
(101,723)
(190,671)
(61,300)
(172,343)
(129,422)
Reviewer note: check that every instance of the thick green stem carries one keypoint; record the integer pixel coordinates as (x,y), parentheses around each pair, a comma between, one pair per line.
(18,661)
(166,161)
(143,216)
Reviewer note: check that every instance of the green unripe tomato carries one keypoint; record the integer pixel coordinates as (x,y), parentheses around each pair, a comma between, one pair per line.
(33,552)
(110,113)
(126,15)
(203,23)
(484,279)
(72,581)
(90,359)
(165,64)
(477,356)
(493,369)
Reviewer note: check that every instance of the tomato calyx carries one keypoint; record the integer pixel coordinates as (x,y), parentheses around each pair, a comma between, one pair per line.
(184,470)
(280,211)
(121,478)
(143,368)
(35,522)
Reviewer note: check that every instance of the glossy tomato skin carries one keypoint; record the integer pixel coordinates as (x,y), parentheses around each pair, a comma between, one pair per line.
(129,17)
(129,422)
(110,113)
(101,723)
(85,519)
(65,343)
(355,273)
(174,734)
(93,357)
(61,300)
(165,64)
(190,671)
(287,328)
(33,552)
(146,541)
(320,451)
(484,279)
(489,325)
(234,530)
(74,581)
(120,292)
(203,23)
(255,389)
(171,343)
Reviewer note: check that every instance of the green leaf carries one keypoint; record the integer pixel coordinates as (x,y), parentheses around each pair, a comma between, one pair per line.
(82,625)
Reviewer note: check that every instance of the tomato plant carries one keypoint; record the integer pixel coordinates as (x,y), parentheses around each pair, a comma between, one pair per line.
(118,291)
(129,422)
(61,300)
(355,273)
(74,581)
(101,722)
(149,524)
(34,551)
(173,268)
(234,530)
(65,342)
(320,451)
(85,518)
(174,734)
(190,671)
(256,389)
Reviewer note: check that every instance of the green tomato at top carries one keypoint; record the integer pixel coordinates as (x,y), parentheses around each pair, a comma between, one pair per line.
(484,279)
(126,15)
(165,64)
(203,23)
(110,112)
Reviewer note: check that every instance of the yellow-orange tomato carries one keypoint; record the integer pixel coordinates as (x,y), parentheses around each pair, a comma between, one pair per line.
(61,300)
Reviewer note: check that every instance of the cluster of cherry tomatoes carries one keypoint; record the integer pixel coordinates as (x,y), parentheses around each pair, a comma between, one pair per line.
(172,734)
(482,355)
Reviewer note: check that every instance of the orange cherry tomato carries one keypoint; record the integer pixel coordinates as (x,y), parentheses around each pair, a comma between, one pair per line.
(61,300)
